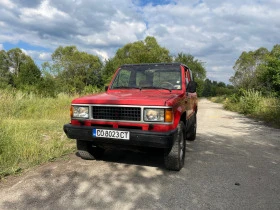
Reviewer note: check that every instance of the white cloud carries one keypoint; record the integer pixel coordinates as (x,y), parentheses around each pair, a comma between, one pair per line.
(7,3)
(43,56)
(25,51)
(44,11)
(38,56)
(101,53)
(214,32)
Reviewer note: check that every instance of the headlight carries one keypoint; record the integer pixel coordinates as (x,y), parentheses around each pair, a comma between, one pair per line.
(158,115)
(79,111)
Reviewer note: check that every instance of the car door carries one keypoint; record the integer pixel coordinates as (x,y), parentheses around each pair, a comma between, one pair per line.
(191,95)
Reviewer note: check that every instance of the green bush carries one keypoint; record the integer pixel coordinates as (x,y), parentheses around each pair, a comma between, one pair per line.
(250,102)
(90,90)
(254,104)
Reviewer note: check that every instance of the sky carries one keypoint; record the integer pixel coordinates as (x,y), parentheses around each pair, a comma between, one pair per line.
(215,32)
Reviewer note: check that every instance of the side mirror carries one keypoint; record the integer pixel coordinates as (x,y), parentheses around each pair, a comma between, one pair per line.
(106,88)
(191,88)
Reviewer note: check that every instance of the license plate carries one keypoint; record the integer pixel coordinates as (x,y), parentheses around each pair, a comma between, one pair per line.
(113,134)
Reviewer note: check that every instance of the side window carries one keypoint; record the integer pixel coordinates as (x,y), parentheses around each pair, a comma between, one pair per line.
(191,85)
(191,76)
(188,75)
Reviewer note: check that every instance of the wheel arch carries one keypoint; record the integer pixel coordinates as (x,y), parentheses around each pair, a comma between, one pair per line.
(183,118)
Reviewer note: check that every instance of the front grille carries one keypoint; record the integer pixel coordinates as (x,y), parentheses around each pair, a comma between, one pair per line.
(116,113)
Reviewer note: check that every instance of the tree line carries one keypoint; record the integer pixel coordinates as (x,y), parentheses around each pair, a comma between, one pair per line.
(72,71)
(76,72)
(258,70)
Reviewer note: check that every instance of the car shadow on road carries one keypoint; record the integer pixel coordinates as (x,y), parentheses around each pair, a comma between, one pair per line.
(221,172)
(122,179)
(152,157)
(128,185)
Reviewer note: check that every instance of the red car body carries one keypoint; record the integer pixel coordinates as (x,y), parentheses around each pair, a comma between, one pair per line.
(151,115)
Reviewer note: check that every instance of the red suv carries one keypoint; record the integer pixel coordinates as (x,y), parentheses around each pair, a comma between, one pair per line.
(145,106)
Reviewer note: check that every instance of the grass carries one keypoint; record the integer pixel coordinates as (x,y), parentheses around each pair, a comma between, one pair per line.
(253,104)
(31,130)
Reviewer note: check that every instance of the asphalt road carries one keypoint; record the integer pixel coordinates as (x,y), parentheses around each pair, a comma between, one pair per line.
(233,164)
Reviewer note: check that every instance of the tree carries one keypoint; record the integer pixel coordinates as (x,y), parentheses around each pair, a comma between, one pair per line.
(74,70)
(15,59)
(18,69)
(108,70)
(147,51)
(207,88)
(245,68)
(258,70)
(269,72)
(5,74)
(29,75)
(214,88)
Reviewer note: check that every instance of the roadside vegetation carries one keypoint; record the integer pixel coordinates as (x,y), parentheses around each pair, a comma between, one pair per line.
(253,104)
(256,86)
(31,130)
(34,101)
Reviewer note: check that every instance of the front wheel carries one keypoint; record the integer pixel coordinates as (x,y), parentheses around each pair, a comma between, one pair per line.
(174,159)
(191,133)
(88,152)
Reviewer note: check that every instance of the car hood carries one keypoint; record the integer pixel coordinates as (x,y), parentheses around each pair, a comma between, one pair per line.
(129,98)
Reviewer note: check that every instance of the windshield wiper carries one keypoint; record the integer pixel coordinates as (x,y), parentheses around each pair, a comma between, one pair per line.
(153,87)
(126,87)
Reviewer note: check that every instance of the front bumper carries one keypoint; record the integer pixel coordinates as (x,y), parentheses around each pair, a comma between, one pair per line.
(137,137)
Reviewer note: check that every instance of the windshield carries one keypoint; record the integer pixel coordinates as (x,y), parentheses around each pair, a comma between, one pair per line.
(145,77)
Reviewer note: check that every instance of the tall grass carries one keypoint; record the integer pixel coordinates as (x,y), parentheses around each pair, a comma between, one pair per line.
(253,103)
(249,102)
(31,130)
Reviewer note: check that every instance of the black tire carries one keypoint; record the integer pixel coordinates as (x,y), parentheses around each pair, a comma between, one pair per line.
(89,152)
(174,158)
(191,133)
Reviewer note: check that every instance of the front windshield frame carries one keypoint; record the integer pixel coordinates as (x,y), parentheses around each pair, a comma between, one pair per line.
(148,77)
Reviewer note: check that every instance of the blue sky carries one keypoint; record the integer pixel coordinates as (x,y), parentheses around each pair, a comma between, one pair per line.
(216,32)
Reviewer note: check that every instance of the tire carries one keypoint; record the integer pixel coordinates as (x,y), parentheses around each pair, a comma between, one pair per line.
(191,133)
(174,158)
(88,152)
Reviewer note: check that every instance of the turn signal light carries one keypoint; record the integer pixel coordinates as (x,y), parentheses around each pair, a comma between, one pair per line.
(71,111)
(168,115)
